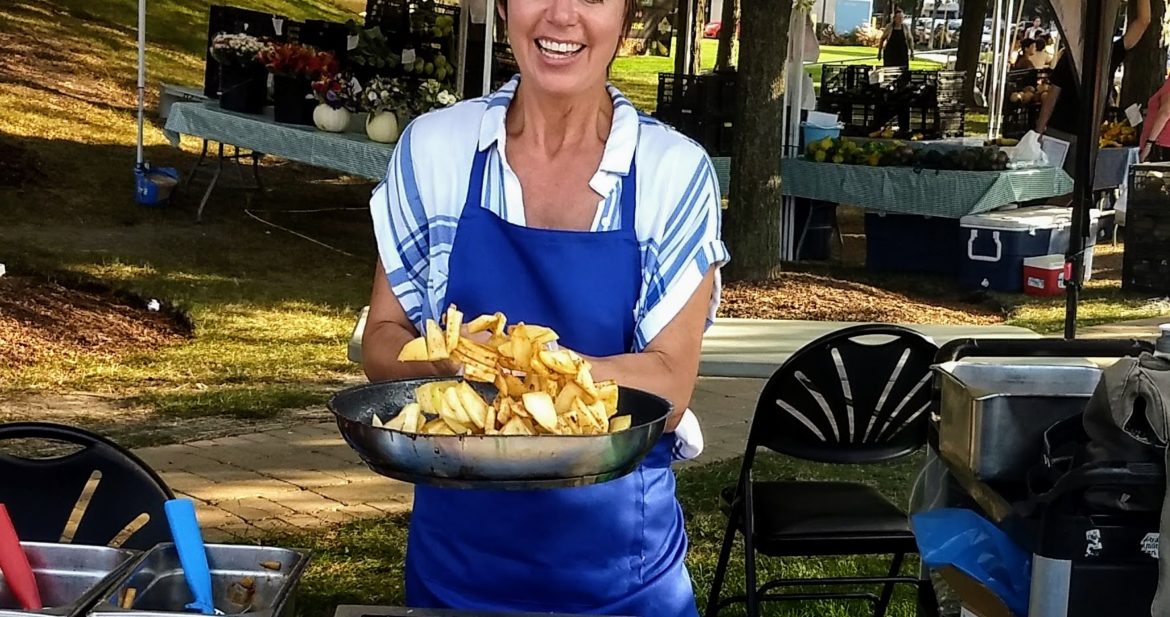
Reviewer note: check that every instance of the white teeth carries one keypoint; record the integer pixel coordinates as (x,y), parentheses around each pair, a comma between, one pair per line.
(558,47)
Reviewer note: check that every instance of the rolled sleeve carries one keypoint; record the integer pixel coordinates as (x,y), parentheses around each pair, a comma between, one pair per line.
(686,245)
(401,230)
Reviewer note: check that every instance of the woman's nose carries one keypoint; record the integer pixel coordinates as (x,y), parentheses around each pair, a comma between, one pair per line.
(562,12)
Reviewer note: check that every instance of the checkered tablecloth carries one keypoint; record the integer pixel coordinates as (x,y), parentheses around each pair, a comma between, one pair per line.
(350,152)
(903,190)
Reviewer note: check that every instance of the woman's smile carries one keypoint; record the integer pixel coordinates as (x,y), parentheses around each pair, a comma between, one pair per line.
(558,50)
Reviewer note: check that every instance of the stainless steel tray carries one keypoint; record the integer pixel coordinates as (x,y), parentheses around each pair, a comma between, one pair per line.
(70,577)
(161,589)
(994,414)
(506,462)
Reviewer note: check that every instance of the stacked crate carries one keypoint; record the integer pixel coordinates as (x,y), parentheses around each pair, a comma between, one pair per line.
(1146,263)
(867,99)
(701,107)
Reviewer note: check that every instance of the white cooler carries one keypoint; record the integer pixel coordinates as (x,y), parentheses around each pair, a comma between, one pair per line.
(995,244)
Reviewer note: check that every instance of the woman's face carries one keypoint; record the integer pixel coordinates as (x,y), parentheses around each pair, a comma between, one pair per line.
(564,47)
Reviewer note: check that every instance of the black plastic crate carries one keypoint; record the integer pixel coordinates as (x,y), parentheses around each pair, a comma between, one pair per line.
(1018,120)
(951,86)
(952,121)
(678,93)
(715,136)
(717,90)
(1141,271)
(1149,186)
(837,79)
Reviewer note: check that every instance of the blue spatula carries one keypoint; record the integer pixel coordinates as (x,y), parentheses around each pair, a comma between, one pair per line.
(192,553)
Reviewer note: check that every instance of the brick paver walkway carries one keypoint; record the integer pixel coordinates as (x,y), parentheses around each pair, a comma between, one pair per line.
(307,477)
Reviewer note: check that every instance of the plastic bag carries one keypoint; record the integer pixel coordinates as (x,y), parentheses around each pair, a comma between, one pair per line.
(976,547)
(1028,153)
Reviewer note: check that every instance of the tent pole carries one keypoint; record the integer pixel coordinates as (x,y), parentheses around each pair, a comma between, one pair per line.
(1095,63)
(141,75)
(489,39)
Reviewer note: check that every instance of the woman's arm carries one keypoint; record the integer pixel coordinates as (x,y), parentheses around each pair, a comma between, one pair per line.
(1157,124)
(387,331)
(1046,108)
(669,366)
(1138,26)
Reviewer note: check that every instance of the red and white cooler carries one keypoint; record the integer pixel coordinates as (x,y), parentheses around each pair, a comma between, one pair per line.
(1045,275)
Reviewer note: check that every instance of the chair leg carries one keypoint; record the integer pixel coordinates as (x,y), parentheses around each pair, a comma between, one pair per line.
(721,567)
(753,599)
(879,610)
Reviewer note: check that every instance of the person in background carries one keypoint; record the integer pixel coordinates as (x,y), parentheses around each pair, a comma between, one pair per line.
(1061,111)
(1156,128)
(895,43)
(1024,59)
(1033,31)
(1042,58)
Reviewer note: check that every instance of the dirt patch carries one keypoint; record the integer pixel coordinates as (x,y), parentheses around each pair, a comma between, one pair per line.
(42,318)
(820,298)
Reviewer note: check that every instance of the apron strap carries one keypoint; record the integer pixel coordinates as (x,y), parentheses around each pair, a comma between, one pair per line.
(630,197)
(475,183)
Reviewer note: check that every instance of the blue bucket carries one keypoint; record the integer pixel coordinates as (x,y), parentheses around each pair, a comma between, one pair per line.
(817,133)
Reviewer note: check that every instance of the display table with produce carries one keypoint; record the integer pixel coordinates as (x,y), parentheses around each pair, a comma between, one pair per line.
(349,152)
(899,178)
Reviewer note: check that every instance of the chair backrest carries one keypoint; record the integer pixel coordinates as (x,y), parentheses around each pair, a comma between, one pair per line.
(857,395)
(47,495)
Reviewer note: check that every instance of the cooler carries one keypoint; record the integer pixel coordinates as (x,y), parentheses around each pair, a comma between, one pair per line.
(994,245)
(1045,275)
(911,243)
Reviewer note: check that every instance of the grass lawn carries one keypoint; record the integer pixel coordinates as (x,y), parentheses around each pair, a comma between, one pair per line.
(638,77)
(362,562)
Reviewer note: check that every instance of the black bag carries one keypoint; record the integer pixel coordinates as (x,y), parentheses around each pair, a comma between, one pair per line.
(1111,458)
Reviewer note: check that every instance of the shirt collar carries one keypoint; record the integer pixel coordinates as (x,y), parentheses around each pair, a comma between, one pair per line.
(619,146)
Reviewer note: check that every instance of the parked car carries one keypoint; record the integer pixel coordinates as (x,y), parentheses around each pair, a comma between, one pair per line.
(711,30)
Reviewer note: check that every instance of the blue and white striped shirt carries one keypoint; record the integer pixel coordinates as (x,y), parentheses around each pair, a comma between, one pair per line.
(416,208)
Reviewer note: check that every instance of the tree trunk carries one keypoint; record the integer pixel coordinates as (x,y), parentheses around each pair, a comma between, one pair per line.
(697,37)
(727,34)
(751,227)
(970,38)
(1145,64)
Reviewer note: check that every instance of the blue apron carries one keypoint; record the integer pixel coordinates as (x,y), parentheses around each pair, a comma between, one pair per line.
(615,548)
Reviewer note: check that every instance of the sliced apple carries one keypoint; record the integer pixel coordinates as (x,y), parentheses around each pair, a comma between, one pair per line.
(540,406)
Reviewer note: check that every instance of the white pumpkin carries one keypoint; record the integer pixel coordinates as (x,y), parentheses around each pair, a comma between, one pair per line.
(382,127)
(329,119)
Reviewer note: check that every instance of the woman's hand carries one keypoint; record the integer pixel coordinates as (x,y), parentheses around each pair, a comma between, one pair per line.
(669,366)
(1145,153)
(387,331)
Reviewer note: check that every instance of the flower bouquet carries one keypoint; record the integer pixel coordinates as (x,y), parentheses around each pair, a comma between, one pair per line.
(386,101)
(243,83)
(432,95)
(294,67)
(335,101)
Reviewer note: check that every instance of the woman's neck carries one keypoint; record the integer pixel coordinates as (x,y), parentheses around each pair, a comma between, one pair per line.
(554,125)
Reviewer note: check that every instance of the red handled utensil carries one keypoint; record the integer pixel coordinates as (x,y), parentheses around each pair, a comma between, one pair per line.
(14,564)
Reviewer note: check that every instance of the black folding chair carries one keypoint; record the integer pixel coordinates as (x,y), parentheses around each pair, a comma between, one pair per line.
(837,400)
(43,494)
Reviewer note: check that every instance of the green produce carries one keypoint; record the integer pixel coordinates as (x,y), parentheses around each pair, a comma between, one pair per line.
(844,151)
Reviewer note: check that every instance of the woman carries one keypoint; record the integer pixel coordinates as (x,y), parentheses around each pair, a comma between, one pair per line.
(894,43)
(1024,60)
(1156,128)
(554,202)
